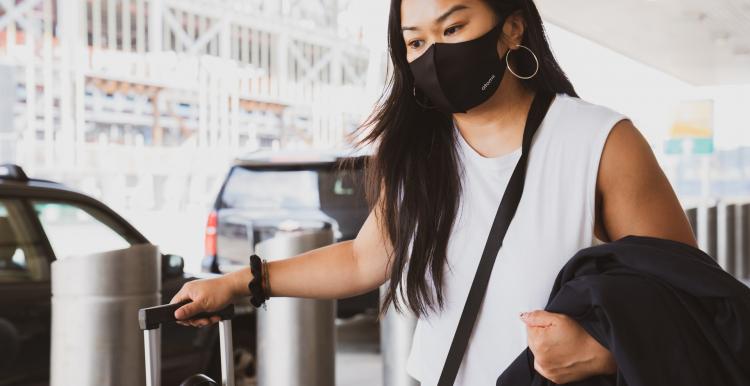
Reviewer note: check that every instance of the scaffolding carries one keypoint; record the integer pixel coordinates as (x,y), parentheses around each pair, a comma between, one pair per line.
(147,89)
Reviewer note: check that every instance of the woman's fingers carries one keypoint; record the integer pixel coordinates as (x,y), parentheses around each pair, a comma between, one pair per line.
(181,295)
(198,322)
(203,295)
(190,309)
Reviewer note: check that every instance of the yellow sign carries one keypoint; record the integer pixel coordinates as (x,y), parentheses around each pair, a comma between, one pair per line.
(693,119)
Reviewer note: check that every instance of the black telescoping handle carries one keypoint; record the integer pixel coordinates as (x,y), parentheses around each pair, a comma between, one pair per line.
(152,317)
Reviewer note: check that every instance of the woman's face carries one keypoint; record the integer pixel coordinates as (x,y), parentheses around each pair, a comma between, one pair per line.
(424,22)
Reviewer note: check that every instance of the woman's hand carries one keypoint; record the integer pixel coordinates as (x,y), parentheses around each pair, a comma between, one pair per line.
(563,351)
(205,295)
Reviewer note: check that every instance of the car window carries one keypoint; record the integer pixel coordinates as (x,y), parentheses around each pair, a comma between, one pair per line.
(77,230)
(22,256)
(293,189)
(342,189)
(342,197)
(248,189)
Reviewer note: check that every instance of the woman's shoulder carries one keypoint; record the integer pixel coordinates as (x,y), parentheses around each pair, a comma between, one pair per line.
(577,111)
(579,128)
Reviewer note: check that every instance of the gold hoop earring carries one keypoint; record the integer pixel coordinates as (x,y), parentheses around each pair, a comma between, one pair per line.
(513,72)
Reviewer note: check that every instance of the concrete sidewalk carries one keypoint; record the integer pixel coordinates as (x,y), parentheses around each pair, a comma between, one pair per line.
(358,358)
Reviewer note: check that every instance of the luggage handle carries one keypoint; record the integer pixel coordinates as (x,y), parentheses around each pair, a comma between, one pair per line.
(150,321)
(153,317)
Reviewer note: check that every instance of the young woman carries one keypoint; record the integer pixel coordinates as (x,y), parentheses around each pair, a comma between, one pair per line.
(448,135)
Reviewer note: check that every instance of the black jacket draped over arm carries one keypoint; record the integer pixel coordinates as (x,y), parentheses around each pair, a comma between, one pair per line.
(666,310)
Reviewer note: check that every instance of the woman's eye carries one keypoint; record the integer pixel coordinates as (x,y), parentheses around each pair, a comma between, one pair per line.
(452,29)
(415,44)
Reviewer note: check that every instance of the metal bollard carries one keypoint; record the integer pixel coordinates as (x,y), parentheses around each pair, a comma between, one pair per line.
(95,299)
(726,227)
(692,216)
(711,222)
(296,337)
(396,332)
(706,228)
(743,238)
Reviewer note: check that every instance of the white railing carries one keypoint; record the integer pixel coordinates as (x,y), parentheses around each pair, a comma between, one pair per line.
(223,60)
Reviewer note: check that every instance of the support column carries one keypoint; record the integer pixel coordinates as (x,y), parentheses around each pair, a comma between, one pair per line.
(48,79)
(80,64)
(68,32)
(281,67)
(29,137)
(155,26)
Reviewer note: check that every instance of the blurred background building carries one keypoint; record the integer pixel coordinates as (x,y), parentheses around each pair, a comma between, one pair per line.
(145,103)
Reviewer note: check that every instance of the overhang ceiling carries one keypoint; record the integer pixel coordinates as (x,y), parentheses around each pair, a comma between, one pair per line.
(703,42)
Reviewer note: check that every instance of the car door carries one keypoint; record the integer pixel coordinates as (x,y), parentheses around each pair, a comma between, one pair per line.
(24,297)
(74,228)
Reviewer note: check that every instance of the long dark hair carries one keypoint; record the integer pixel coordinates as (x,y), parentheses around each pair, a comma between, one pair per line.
(416,166)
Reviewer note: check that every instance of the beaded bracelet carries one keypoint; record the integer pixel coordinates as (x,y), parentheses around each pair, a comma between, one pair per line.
(266,280)
(257,292)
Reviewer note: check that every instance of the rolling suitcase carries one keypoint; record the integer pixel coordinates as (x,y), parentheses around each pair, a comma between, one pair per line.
(150,320)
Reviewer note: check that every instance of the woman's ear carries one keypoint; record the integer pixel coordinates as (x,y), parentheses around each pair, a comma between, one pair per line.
(513,29)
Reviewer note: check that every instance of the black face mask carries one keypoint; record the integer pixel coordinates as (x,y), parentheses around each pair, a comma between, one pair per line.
(459,76)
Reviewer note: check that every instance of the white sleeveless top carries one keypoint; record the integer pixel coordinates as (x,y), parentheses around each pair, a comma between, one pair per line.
(554,219)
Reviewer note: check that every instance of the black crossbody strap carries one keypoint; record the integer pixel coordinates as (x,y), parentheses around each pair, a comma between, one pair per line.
(505,212)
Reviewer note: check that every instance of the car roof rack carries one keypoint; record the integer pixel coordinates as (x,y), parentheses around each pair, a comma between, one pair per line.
(12,172)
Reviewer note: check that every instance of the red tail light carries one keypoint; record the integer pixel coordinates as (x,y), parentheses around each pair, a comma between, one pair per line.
(210,240)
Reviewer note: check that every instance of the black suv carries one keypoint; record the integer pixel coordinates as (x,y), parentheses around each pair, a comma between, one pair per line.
(267,191)
(42,220)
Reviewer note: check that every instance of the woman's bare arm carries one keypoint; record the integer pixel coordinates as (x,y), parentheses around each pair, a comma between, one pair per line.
(636,196)
(340,270)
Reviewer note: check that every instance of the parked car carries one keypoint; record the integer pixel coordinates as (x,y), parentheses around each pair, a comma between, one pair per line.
(41,221)
(268,191)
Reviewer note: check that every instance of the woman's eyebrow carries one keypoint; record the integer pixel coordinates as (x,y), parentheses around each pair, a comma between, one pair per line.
(441,18)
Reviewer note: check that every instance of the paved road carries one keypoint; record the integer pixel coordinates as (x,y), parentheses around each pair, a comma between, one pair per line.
(358,359)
